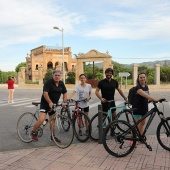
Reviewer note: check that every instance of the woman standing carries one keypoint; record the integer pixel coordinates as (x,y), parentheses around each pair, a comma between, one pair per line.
(10,83)
(83,91)
(141,100)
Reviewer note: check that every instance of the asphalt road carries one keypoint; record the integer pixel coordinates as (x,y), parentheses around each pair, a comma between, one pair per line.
(9,114)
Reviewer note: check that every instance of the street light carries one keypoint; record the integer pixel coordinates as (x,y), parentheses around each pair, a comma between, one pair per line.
(62,30)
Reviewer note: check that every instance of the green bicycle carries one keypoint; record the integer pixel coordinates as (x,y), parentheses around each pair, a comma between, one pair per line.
(107,118)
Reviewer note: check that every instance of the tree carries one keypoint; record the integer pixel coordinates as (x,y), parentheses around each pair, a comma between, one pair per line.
(22,64)
(71,78)
(48,75)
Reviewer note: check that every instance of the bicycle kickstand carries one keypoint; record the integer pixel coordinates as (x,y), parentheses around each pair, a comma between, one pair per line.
(148,146)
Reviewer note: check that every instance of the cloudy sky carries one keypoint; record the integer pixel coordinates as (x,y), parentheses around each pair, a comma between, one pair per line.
(133,31)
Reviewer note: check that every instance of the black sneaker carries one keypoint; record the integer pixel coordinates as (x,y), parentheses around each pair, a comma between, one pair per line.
(34,136)
(80,133)
(56,139)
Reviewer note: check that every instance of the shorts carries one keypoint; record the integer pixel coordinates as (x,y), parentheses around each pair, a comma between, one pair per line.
(106,106)
(46,110)
(86,109)
(137,116)
(11,90)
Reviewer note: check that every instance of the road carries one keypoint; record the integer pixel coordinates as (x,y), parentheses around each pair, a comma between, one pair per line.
(9,114)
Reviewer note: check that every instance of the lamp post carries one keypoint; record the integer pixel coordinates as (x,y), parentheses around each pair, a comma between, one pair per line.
(62,30)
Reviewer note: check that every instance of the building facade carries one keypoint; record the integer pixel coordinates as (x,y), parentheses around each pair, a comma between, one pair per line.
(48,58)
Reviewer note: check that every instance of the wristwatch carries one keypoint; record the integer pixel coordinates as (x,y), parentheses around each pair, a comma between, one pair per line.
(125,98)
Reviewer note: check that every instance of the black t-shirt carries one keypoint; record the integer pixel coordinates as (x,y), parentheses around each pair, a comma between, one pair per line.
(108,88)
(54,92)
(140,102)
(108,92)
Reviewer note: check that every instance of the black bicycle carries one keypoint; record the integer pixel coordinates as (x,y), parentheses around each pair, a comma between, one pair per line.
(79,119)
(119,144)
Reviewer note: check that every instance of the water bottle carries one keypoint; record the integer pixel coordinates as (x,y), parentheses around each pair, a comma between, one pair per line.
(45,122)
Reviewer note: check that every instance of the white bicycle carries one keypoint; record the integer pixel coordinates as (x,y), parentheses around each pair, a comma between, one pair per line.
(62,129)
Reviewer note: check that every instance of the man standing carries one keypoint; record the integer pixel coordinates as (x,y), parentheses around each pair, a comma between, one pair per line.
(107,87)
(52,91)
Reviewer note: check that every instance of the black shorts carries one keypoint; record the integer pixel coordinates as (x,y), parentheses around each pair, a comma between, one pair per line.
(106,106)
(46,110)
(86,109)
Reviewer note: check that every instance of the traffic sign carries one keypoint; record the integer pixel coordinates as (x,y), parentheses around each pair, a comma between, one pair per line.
(124,74)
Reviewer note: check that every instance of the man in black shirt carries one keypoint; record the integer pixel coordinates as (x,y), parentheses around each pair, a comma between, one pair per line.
(52,91)
(107,87)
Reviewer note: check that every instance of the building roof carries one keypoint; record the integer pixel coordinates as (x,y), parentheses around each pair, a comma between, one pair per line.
(93,53)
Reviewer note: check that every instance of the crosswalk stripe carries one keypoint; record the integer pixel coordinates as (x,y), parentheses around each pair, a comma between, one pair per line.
(16,100)
(25,102)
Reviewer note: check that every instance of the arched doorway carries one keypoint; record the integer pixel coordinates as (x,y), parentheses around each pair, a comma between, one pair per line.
(92,56)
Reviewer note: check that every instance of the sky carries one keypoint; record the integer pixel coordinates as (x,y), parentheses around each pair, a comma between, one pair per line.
(132,31)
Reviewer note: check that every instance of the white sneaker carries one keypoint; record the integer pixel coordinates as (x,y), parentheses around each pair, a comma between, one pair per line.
(12,102)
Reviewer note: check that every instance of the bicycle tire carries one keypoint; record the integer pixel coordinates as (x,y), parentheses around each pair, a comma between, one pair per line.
(65,113)
(66,137)
(25,125)
(118,145)
(163,134)
(94,126)
(81,123)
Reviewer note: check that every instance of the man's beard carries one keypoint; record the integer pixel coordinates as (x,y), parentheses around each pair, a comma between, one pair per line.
(108,77)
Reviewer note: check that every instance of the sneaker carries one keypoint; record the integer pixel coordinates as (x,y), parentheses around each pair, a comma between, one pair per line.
(56,139)
(131,143)
(34,136)
(80,133)
(12,101)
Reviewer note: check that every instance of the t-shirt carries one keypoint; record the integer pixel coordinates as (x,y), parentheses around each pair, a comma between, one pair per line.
(83,93)
(140,102)
(54,92)
(108,88)
(10,84)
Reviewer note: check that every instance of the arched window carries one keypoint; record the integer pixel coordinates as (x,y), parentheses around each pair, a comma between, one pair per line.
(49,65)
(36,67)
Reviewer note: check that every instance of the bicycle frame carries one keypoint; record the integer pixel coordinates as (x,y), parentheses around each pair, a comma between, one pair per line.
(150,113)
(109,113)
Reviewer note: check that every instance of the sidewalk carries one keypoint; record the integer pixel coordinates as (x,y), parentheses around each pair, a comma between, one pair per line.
(86,156)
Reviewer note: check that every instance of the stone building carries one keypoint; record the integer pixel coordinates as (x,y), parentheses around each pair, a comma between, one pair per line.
(45,58)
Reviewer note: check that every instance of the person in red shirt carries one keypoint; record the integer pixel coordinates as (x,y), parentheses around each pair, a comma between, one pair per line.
(10,83)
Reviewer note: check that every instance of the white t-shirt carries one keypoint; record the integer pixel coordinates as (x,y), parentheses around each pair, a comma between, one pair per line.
(83,93)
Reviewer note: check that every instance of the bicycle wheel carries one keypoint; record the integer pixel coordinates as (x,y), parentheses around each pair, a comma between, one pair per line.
(81,126)
(119,144)
(163,134)
(94,126)
(65,137)
(65,113)
(25,125)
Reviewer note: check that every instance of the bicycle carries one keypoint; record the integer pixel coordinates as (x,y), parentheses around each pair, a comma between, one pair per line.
(119,144)
(27,120)
(107,118)
(79,119)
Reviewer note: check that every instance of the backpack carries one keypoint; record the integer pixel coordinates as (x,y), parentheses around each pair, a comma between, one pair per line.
(131,96)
